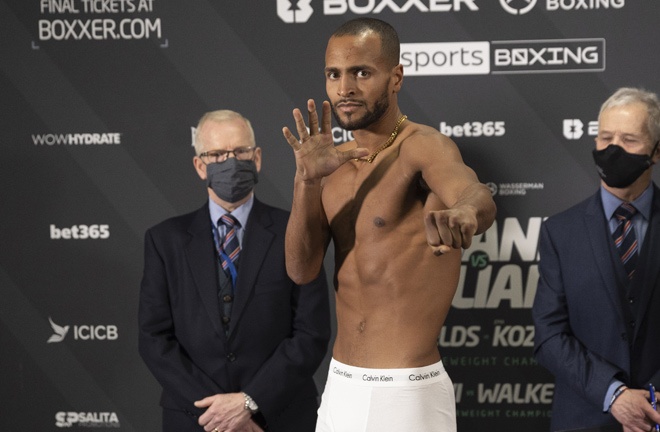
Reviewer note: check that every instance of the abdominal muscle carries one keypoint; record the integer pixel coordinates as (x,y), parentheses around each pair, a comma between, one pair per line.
(391,302)
(392,293)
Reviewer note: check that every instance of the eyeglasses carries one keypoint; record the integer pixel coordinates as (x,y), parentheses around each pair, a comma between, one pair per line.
(215,156)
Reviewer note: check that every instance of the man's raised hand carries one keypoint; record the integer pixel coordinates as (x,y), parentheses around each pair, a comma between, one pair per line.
(316,155)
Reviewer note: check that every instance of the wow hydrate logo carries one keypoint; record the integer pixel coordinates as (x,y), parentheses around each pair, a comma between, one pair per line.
(503,57)
(76,139)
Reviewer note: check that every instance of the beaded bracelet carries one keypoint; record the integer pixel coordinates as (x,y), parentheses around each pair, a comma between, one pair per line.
(618,393)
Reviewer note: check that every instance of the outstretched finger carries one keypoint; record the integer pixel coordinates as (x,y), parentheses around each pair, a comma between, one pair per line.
(326,119)
(292,140)
(313,117)
(300,125)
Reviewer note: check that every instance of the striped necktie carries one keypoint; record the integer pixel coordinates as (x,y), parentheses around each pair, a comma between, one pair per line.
(230,245)
(625,238)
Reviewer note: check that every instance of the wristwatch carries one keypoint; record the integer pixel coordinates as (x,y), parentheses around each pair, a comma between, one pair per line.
(250,404)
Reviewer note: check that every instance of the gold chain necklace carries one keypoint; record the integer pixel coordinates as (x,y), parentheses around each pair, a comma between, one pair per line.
(388,143)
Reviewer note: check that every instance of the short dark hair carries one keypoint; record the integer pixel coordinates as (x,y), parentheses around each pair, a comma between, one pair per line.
(389,39)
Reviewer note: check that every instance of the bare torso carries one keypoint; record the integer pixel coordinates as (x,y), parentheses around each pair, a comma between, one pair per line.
(392,292)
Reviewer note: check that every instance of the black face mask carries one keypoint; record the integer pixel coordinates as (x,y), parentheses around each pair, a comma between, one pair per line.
(232,179)
(618,168)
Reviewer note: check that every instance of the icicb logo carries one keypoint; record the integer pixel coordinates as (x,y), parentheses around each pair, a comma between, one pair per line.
(59,332)
(294,13)
(518,8)
(83,332)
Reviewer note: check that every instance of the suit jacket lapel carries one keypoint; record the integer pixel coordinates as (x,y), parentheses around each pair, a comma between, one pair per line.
(201,259)
(601,245)
(256,244)
(648,265)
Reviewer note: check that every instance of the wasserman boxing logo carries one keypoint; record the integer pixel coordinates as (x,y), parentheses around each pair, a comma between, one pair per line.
(77,139)
(80,232)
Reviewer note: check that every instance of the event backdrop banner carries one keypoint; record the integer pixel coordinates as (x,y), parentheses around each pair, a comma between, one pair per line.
(99,103)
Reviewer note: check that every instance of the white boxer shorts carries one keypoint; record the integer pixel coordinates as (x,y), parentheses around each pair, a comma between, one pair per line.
(387,400)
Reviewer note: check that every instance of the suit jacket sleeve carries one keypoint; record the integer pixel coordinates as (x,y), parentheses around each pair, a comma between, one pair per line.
(297,357)
(555,345)
(158,345)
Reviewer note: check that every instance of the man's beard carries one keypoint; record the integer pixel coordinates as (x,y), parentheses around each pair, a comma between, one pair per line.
(371,116)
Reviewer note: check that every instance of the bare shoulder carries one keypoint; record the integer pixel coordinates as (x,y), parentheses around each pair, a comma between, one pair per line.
(424,145)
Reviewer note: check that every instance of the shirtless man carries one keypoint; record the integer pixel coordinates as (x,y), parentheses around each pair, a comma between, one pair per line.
(399,204)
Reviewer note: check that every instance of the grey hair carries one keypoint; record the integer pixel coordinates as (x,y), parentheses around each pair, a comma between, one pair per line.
(629,95)
(220,116)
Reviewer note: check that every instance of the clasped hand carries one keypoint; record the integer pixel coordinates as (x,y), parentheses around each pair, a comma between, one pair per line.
(633,410)
(315,152)
(226,412)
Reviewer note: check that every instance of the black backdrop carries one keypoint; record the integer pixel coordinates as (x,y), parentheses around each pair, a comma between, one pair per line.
(99,99)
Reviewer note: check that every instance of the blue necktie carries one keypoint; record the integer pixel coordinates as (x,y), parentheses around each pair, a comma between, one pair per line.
(231,249)
(625,238)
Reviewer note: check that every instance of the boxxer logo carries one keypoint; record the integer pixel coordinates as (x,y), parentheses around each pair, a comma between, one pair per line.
(294,11)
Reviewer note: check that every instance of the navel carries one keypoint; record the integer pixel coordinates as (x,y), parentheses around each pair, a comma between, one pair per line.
(379,222)
(361,326)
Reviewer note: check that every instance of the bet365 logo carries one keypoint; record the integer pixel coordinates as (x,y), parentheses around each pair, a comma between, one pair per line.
(294,11)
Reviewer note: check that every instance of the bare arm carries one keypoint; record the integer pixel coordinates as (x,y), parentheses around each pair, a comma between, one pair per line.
(470,206)
(308,233)
(473,213)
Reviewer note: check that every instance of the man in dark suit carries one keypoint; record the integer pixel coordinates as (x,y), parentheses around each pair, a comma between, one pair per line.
(598,300)
(232,340)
